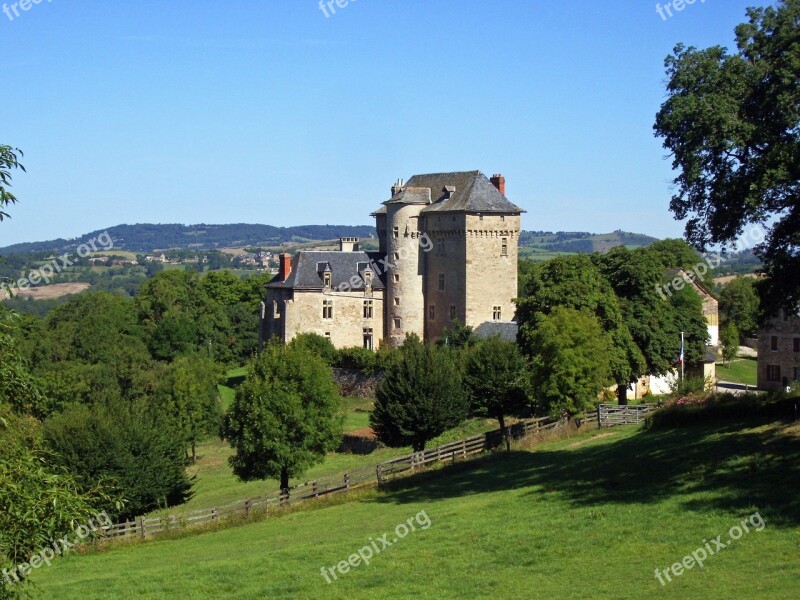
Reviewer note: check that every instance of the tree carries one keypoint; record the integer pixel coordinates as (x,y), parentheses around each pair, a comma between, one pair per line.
(739,304)
(38,503)
(421,397)
(456,335)
(654,318)
(18,388)
(286,416)
(575,282)
(730,342)
(495,377)
(189,393)
(9,159)
(135,447)
(732,125)
(571,364)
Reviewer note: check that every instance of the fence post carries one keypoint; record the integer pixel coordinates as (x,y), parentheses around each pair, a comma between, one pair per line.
(464,448)
(314,489)
(246,508)
(214,514)
(142,527)
(379,474)
(347,481)
(599,421)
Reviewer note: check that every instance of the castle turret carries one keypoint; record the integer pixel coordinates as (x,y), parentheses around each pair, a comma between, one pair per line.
(406,276)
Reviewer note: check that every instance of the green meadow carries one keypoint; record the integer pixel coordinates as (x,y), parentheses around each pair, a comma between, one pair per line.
(590,516)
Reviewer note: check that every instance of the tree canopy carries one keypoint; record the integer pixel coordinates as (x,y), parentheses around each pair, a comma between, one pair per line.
(732,125)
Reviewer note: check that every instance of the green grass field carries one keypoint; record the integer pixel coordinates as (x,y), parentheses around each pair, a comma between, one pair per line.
(588,517)
(741,370)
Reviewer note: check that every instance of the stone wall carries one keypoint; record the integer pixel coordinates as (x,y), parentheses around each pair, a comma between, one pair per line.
(785,329)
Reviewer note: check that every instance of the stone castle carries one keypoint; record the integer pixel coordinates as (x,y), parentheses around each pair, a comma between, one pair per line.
(448,250)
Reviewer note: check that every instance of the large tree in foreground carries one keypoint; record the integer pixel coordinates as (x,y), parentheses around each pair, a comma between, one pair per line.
(286,416)
(421,397)
(732,125)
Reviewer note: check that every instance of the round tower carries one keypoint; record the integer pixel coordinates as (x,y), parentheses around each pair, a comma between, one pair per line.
(406,277)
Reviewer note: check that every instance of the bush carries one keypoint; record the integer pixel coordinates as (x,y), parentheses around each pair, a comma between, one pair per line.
(362,359)
(317,345)
(139,452)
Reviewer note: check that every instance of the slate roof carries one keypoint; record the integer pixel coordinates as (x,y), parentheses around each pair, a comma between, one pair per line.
(505,330)
(473,193)
(309,265)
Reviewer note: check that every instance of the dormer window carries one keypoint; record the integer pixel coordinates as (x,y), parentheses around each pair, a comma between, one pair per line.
(327,279)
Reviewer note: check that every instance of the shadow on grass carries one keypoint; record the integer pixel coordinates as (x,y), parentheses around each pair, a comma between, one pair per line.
(731,469)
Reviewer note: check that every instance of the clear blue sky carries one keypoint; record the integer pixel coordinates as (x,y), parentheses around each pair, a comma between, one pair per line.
(268,112)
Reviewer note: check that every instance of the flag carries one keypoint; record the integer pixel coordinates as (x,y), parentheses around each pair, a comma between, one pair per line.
(680,359)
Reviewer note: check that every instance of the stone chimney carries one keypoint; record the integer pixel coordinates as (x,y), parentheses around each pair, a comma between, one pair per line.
(397,187)
(348,244)
(285,268)
(499,182)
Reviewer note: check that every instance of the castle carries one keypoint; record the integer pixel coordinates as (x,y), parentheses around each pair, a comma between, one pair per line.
(448,250)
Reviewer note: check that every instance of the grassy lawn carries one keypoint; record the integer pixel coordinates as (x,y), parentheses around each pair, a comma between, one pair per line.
(358,410)
(741,370)
(588,517)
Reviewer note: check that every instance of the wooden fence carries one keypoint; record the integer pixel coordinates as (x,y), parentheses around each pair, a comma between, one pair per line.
(327,486)
(609,415)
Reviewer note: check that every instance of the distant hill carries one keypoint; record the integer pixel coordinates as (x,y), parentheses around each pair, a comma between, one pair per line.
(582,242)
(147,238)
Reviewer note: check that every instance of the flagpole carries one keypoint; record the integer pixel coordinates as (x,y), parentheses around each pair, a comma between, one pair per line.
(683,357)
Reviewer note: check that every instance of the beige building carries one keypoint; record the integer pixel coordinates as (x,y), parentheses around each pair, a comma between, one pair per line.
(448,253)
(779,351)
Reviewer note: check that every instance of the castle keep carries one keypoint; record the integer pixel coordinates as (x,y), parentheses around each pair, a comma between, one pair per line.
(448,250)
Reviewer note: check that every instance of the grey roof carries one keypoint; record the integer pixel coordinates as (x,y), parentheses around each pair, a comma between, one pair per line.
(473,193)
(506,330)
(308,267)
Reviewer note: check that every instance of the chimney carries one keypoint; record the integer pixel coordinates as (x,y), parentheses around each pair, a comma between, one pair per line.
(397,187)
(285,268)
(348,244)
(499,182)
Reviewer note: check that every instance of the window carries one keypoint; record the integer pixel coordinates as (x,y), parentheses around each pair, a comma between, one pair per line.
(796,374)
(368,309)
(396,232)
(431,312)
(440,249)
(773,373)
(397,277)
(368,338)
(452,312)
(497,313)
(398,324)
(397,301)
(326,277)
(276,309)
(504,247)
(797,344)
(503,218)
(773,343)
(441,282)
(327,309)
(396,256)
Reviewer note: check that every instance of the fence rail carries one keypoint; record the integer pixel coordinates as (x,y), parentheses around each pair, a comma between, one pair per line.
(377,474)
(609,415)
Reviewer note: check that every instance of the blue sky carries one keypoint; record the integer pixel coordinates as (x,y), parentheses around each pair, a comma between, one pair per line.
(271,112)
